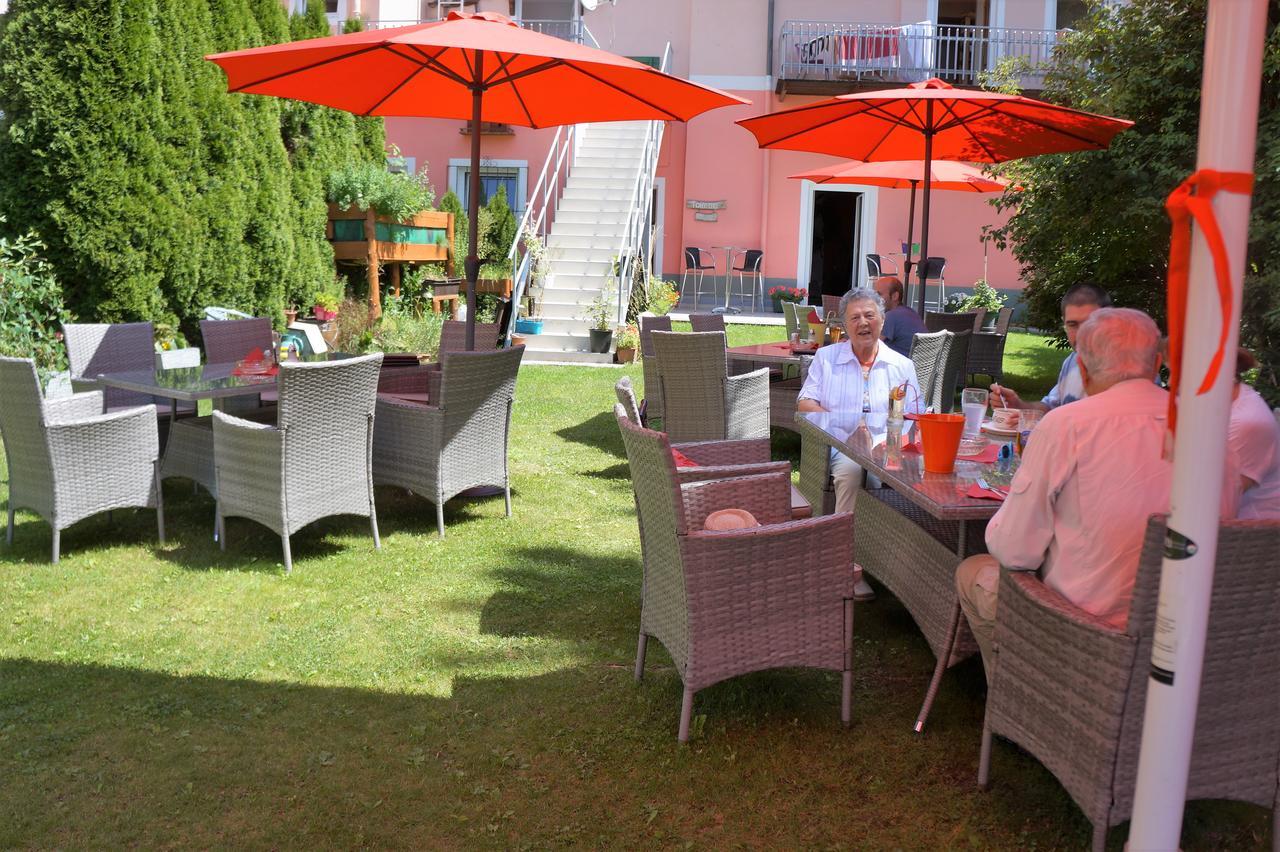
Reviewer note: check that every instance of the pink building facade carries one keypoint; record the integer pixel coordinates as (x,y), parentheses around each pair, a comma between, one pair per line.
(777,54)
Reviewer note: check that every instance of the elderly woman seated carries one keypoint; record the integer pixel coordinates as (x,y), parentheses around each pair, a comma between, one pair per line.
(855,375)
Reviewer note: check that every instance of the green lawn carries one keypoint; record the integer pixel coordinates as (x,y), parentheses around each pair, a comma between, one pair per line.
(474,691)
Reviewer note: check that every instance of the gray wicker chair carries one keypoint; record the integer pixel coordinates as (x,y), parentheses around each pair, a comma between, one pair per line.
(733,602)
(68,460)
(986,349)
(948,380)
(1071,689)
(460,441)
(97,348)
(700,400)
(928,351)
(706,322)
(453,336)
(652,407)
(718,459)
(830,305)
(314,463)
(228,341)
(795,316)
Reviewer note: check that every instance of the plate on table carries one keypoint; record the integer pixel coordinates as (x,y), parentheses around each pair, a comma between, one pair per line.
(992,429)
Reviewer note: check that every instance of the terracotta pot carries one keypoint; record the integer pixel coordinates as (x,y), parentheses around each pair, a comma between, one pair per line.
(290,316)
(625,355)
(517,340)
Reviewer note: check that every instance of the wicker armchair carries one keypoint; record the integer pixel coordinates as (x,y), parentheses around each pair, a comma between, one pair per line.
(97,348)
(1071,689)
(831,305)
(314,463)
(706,322)
(732,602)
(795,315)
(228,341)
(928,351)
(942,321)
(458,442)
(700,400)
(453,336)
(719,459)
(68,460)
(940,360)
(652,407)
(986,349)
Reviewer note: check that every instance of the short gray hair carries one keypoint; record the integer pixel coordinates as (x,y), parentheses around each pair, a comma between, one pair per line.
(861,294)
(1116,344)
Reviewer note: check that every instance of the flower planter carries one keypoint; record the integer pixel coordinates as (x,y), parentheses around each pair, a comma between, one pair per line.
(517,340)
(625,355)
(528,325)
(601,340)
(290,316)
(323,315)
(777,306)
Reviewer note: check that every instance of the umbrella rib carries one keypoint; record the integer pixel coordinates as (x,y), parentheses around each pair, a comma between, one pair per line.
(963,125)
(433,62)
(808,129)
(502,64)
(671,116)
(1093,143)
(536,69)
(272,78)
(382,100)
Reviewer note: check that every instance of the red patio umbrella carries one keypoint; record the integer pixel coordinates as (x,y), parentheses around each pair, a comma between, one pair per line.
(477,66)
(901,174)
(933,120)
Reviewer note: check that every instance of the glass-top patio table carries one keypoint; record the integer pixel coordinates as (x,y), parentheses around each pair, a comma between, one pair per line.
(910,534)
(189,384)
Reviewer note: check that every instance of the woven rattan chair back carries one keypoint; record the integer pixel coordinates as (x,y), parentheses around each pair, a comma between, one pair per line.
(707,322)
(661,518)
(831,305)
(979,317)
(955,356)
(1002,320)
(648,325)
(22,424)
(453,336)
(228,341)
(477,389)
(942,321)
(97,348)
(692,370)
(627,399)
(927,353)
(326,414)
(796,316)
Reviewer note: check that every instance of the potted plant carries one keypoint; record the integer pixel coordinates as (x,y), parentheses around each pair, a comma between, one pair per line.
(600,315)
(326,307)
(628,341)
(782,294)
(290,315)
(986,298)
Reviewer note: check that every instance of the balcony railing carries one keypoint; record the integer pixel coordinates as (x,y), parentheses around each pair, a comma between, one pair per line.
(567,30)
(907,53)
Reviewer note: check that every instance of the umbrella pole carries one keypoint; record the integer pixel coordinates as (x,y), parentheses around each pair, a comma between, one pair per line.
(911,225)
(473,202)
(924,213)
(1228,126)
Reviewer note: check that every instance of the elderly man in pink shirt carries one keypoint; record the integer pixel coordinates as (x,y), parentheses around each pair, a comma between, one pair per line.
(1092,474)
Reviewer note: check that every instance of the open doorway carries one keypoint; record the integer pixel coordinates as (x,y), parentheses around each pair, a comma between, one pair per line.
(834,243)
(960,48)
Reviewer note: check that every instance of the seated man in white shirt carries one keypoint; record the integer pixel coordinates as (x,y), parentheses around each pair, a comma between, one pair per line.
(855,376)
(1078,303)
(1254,435)
(1091,475)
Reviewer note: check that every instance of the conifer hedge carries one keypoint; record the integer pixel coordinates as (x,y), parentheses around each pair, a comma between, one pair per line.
(156,191)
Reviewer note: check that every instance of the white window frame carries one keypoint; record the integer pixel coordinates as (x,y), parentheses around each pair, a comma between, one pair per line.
(866,228)
(459,166)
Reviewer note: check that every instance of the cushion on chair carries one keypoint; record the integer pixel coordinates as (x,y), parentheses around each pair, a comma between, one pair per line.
(730,519)
(682,460)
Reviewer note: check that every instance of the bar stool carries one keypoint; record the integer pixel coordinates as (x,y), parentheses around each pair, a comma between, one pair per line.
(698,265)
(751,260)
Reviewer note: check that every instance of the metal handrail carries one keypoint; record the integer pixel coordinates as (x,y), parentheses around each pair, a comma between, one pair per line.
(834,50)
(640,208)
(569,30)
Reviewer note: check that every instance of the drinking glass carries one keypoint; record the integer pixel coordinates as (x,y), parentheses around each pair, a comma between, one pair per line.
(973,402)
(1026,425)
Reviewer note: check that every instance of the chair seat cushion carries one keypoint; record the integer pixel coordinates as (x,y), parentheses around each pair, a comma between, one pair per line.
(682,460)
(800,507)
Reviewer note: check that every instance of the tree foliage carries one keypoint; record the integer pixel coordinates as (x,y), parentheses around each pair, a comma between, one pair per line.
(156,191)
(1100,215)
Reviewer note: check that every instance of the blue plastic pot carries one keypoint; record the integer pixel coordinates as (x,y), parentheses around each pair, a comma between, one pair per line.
(528,326)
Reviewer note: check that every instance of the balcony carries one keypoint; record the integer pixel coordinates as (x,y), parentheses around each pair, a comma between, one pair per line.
(568,30)
(822,57)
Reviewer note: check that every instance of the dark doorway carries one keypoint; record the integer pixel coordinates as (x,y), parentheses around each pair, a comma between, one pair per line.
(835,244)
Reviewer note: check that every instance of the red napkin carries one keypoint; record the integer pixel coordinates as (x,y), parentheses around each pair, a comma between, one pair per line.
(987,455)
(978,492)
(813,317)
(256,370)
(253,356)
(682,460)
(912,447)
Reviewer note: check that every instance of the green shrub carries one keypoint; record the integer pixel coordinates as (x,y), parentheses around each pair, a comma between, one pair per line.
(406,328)
(498,226)
(31,307)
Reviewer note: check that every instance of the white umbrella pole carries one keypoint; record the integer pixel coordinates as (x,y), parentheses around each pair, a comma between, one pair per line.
(1228,128)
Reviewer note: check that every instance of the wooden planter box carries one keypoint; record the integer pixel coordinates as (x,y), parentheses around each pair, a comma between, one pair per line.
(362,235)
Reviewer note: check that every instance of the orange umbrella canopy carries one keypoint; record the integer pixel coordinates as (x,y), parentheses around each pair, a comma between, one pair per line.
(432,70)
(478,66)
(933,121)
(956,124)
(908,174)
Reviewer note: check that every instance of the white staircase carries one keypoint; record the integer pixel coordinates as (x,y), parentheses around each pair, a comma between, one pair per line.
(585,237)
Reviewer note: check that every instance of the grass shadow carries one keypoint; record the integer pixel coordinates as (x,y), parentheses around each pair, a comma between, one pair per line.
(599,432)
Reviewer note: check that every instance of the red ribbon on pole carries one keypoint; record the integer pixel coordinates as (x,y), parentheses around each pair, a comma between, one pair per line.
(1193,199)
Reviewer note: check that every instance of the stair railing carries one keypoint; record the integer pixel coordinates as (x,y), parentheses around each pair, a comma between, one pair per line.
(539,211)
(631,248)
